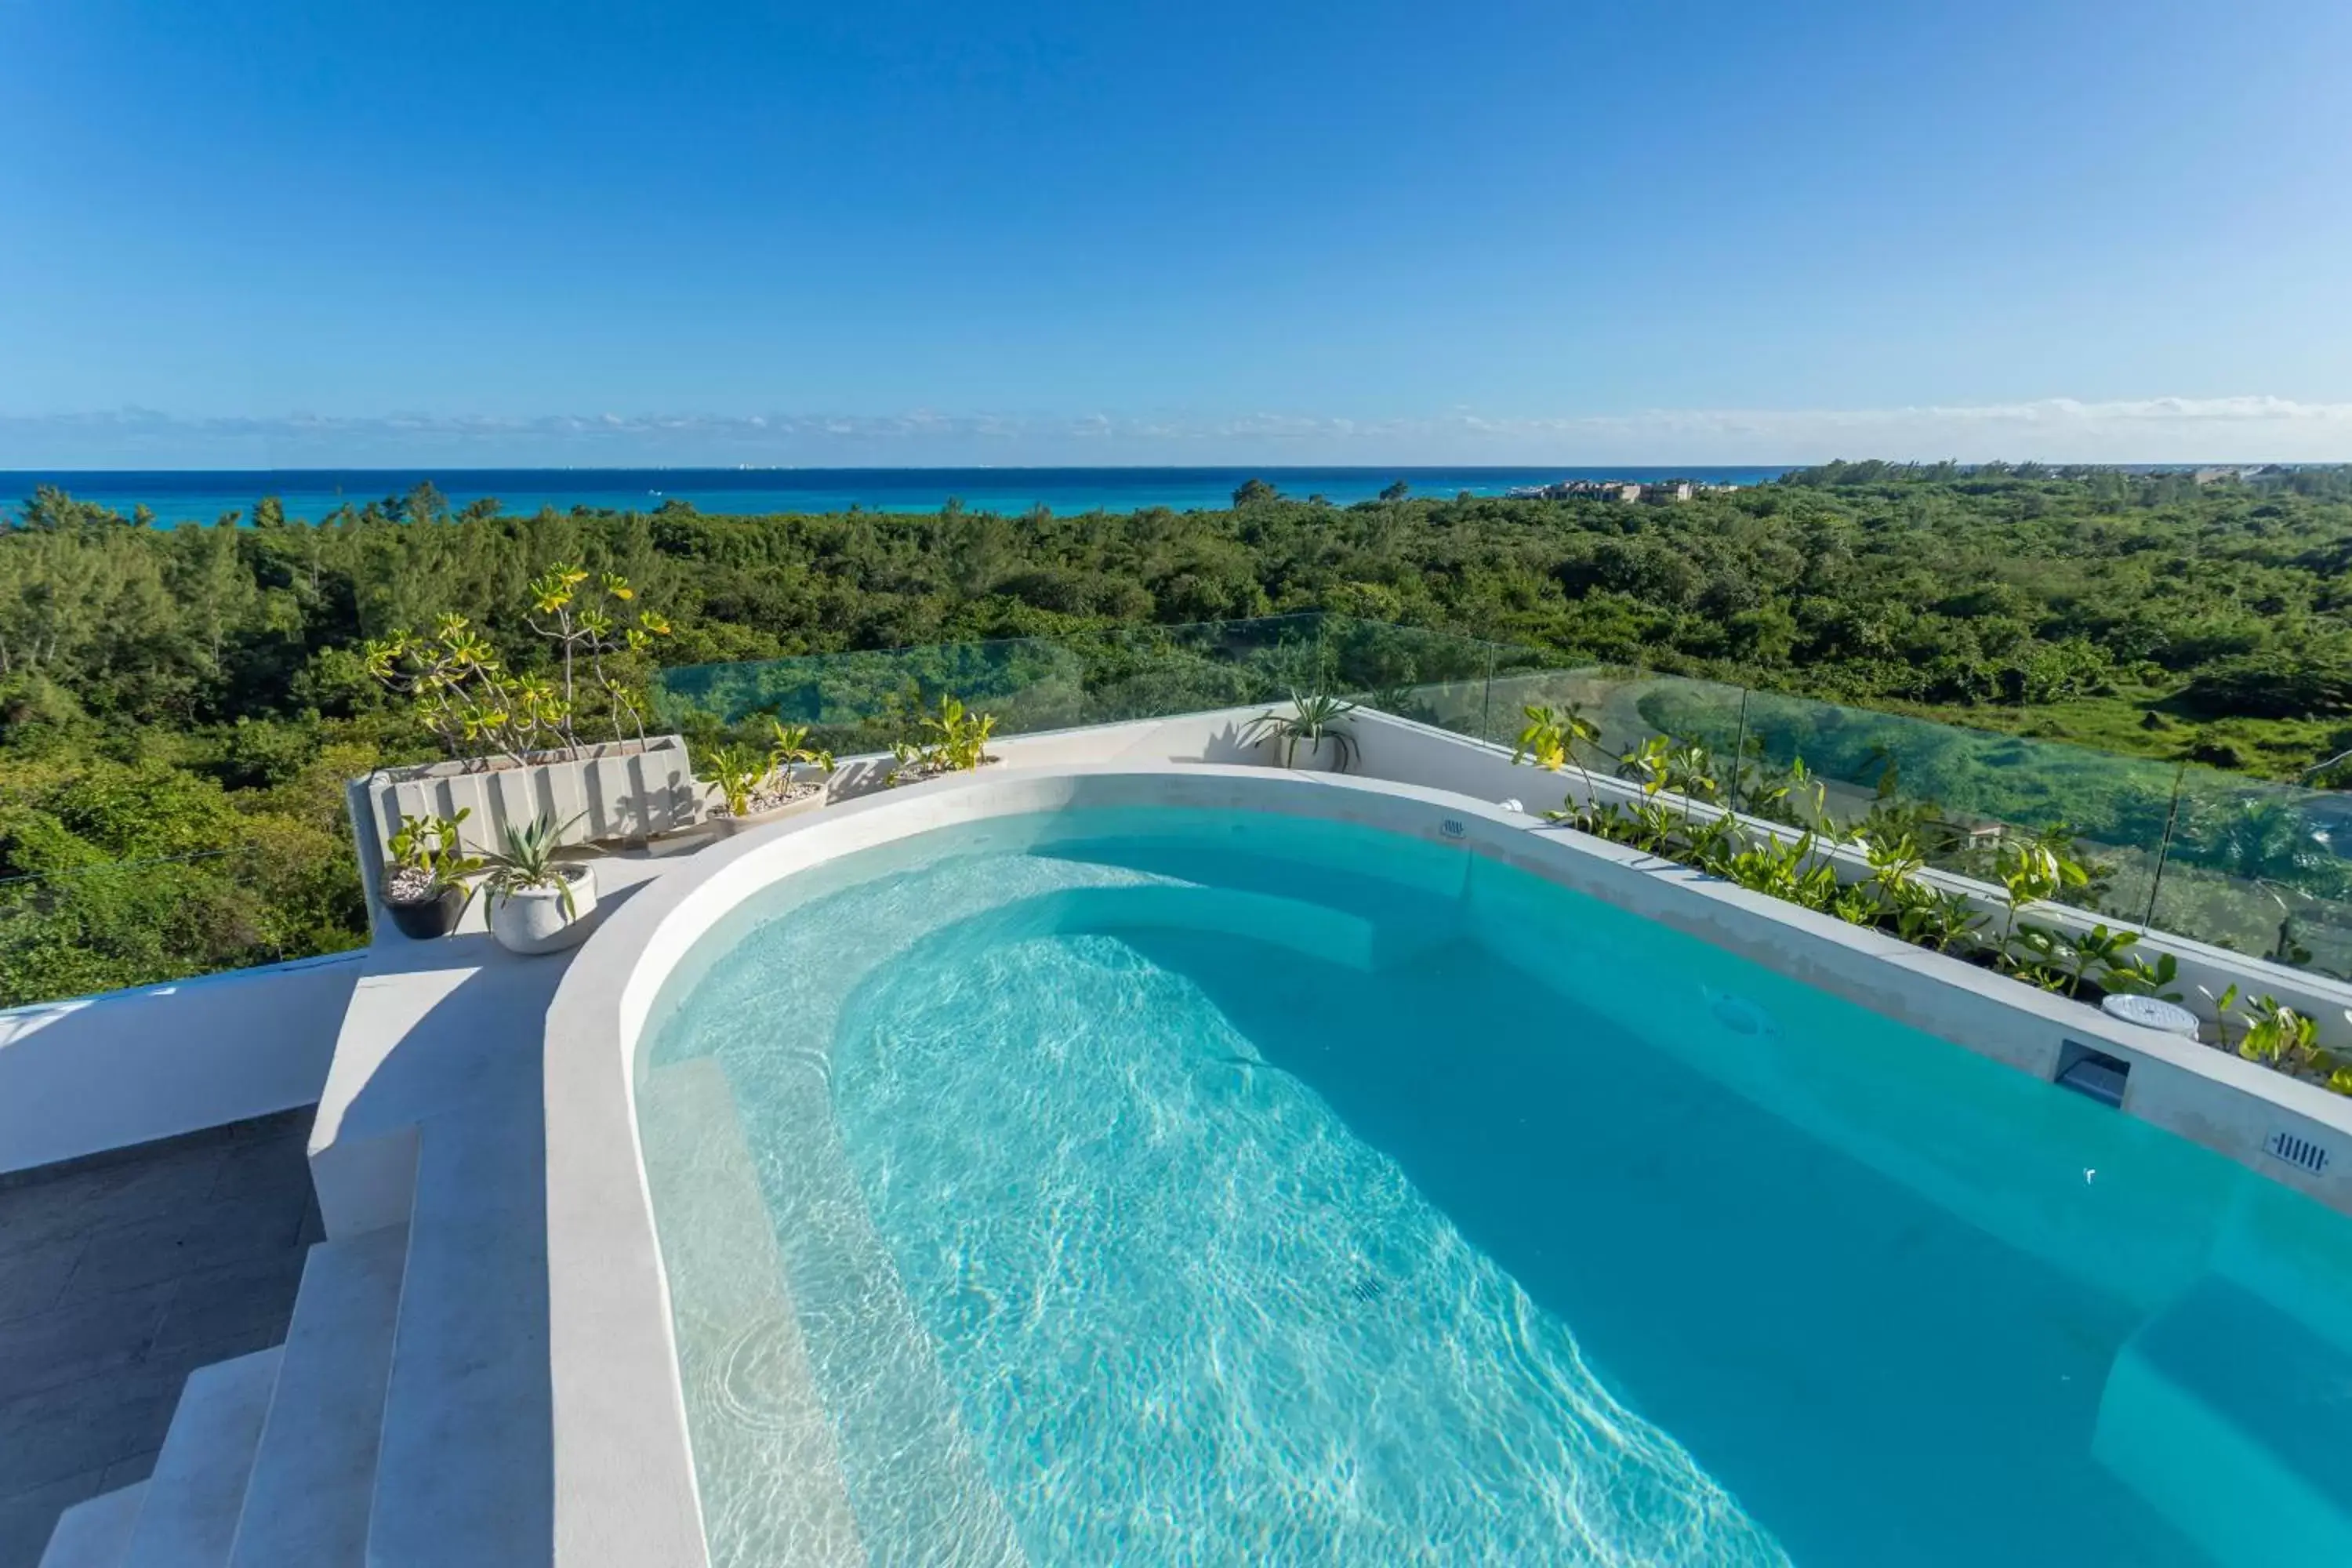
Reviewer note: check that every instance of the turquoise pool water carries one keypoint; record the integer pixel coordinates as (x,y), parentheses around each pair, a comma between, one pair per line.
(1189,1187)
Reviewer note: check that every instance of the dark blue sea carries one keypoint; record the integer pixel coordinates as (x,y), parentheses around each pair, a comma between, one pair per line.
(312,493)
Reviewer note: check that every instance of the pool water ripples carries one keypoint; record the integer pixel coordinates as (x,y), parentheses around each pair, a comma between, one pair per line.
(1126,1191)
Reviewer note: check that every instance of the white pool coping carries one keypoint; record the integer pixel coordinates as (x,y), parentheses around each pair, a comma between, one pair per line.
(623,1474)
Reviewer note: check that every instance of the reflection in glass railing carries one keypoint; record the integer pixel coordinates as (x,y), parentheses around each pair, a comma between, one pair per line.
(857,702)
(2259,868)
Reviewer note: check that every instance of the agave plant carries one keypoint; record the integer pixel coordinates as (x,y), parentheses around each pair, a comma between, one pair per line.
(526,862)
(1315,717)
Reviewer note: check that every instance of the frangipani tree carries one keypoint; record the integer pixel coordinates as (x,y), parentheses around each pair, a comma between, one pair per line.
(479,708)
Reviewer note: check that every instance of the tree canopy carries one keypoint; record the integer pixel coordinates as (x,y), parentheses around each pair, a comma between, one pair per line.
(201,688)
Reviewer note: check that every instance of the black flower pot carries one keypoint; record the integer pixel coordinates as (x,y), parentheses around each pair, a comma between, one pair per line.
(427,918)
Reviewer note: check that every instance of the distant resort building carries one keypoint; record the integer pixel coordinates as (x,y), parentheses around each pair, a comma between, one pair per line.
(2245,473)
(1629,490)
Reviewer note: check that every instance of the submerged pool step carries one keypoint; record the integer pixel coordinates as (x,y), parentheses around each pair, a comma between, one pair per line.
(785,1385)
(1343,914)
(739,1334)
(2232,1419)
(1311,930)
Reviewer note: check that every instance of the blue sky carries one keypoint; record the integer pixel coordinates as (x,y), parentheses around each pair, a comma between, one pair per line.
(911,232)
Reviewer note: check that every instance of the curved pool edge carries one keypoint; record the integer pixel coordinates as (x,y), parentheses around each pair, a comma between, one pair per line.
(626,1494)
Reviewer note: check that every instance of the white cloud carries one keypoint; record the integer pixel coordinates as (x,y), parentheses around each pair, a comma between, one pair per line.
(2058,429)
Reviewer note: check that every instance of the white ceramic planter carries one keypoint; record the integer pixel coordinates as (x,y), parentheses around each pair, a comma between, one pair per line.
(533,921)
(1319,756)
(619,790)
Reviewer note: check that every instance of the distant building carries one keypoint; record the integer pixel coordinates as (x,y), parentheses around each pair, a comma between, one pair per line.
(1625,491)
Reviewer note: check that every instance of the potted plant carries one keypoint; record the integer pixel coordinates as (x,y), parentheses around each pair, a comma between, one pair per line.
(1312,735)
(537,903)
(790,777)
(425,890)
(518,736)
(954,740)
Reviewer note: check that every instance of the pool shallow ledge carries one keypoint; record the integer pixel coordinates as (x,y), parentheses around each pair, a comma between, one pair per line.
(626,1494)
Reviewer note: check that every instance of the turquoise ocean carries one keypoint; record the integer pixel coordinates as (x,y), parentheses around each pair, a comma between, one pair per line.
(309,494)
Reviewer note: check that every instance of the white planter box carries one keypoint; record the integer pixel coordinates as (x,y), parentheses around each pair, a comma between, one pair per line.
(728,825)
(619,790)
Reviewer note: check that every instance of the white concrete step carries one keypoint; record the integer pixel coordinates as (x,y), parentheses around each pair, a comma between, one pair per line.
(464,1475)
(95,1534)
(313,1477)
(189,1519)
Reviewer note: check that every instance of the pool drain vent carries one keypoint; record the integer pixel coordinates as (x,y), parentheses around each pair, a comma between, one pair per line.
(2093,1074)
(2297,1150)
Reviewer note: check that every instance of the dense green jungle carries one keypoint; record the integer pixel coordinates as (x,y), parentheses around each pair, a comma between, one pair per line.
(178,707)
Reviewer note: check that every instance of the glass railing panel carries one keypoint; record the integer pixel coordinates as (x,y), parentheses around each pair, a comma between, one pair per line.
(1958,791)
(1605,695)
(2258,867)
(863,701)
(1155,672)
(1433,678)
(2262,868)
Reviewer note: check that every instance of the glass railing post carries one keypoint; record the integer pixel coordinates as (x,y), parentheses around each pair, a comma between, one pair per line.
(1740,748)
(1487,698)
(2164,845)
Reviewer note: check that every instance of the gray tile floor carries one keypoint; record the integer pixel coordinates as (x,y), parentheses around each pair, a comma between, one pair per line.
(121,1274)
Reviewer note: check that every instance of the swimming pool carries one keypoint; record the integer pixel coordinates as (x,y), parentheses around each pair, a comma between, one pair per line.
(1162,1185)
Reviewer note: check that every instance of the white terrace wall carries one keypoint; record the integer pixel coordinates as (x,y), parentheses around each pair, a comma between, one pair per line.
(130,1066)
